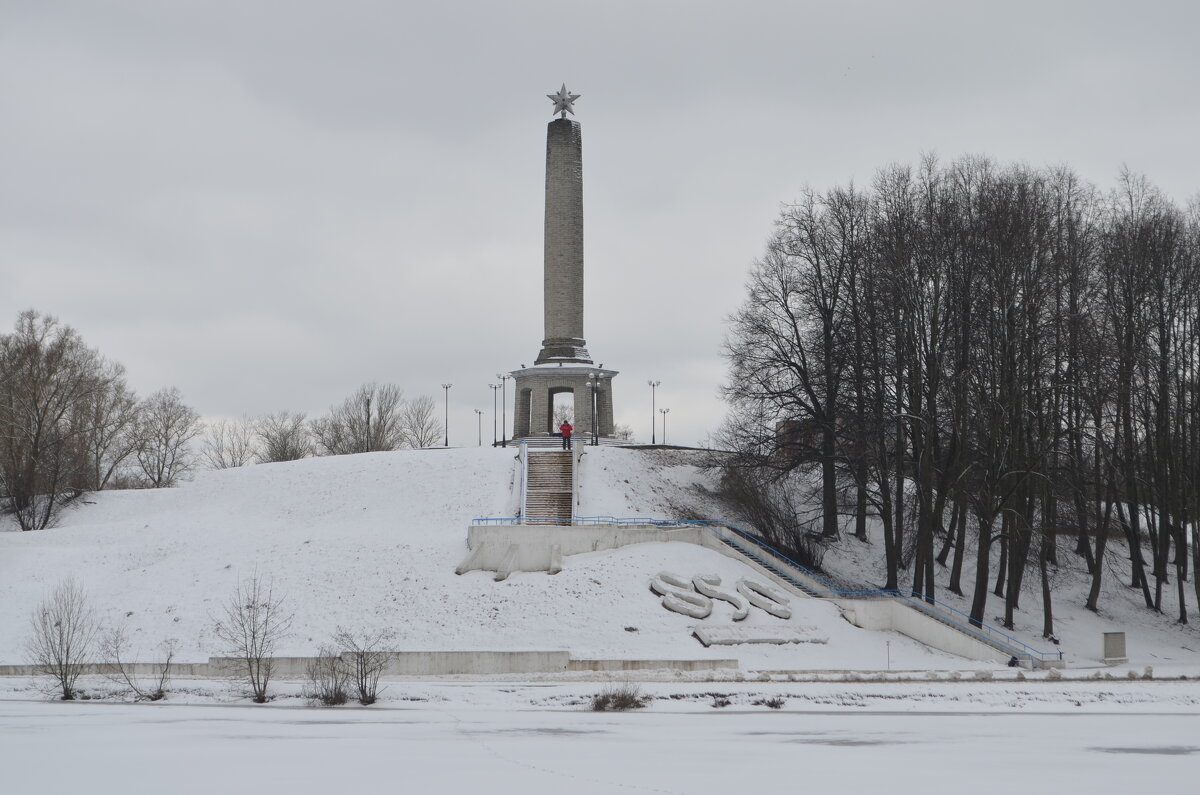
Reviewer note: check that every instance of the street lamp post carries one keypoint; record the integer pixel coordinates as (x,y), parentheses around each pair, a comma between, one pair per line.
(503,406)
(653,386)
(479,428)
(663,412)
(494,387)
(446,422)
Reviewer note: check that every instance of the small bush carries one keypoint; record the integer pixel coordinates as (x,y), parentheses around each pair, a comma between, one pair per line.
(253,623)
(1148,672)
(1054,674)
(772,703)
(720,701)
(369,654)
(327,676)
(113,645)
(983,676)
(618,699)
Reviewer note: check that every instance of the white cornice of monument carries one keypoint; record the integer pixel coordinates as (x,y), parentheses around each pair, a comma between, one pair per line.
(563,101)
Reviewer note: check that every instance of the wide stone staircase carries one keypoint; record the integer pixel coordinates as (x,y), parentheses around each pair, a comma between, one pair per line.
(548,488)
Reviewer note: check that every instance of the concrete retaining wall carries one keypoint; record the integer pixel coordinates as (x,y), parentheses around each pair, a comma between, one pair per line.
(899,617)
(418,663)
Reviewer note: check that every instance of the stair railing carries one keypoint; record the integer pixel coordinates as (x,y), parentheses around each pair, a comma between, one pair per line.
(576,486)
(523,459)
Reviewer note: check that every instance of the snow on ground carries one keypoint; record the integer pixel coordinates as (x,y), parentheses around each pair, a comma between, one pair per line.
(372,540)
(669,483)
(520,738)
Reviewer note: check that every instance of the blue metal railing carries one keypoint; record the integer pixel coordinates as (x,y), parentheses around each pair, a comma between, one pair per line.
(933,608)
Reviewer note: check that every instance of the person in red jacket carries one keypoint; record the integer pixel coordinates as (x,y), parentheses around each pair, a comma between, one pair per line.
(566,429)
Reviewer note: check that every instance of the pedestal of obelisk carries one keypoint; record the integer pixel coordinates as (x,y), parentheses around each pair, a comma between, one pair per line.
(563,365)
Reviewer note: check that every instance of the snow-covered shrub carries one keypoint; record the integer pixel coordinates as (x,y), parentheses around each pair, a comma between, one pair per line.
(1054,674)
(368,655)
(618,699)
(771,703)
(327,676)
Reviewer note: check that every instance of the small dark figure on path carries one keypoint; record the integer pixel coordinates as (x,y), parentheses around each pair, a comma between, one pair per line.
(566,429)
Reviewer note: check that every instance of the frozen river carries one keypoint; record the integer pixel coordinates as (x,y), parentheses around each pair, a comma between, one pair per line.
(501,740)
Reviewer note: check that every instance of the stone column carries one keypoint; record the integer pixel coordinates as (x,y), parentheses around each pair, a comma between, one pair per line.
(563,253)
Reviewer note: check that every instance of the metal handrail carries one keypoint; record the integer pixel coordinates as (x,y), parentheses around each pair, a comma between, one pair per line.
(994,637)
(523,457)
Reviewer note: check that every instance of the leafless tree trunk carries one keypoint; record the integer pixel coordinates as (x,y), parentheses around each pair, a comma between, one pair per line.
(366,422)
(230,443)
(368,655)
(283,436)
(419,422)
(253,623)
(63,633)
(166,429)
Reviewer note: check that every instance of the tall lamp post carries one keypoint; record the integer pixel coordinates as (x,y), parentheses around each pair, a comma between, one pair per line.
(479,427)
(446,422)
(503,405)
(663,412)
(494,388)
(653,386)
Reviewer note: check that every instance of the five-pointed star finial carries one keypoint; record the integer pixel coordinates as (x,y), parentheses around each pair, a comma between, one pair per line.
(563,101)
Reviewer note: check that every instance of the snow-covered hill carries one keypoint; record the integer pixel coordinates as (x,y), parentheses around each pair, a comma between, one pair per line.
(372,540)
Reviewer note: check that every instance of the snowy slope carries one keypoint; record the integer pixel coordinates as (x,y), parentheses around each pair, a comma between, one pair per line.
(669,483)
(372,540)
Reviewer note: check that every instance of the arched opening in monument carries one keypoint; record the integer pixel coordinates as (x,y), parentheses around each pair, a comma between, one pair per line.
(562,407)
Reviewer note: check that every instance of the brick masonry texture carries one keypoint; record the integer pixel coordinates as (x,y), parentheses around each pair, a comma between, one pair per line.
(563,266)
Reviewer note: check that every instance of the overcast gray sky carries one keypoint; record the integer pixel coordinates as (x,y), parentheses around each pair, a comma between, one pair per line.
(267,204)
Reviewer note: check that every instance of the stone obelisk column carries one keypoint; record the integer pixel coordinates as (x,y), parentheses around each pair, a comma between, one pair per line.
(563,257)
(564,366)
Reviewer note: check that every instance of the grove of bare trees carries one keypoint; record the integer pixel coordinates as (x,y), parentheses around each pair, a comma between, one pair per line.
(984,353)
(69,423)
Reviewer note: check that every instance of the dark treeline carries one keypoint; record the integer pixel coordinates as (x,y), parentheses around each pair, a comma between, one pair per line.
(985,358)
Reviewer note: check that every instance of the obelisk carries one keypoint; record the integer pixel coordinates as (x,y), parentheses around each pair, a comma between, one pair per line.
(563,238)
(564,366)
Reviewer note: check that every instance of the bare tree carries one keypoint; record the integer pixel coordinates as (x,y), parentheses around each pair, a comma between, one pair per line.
(63,635)
(366,422)
(166,429)
(47,377)
(230,443)
(113,650)
(563,413)
(109,417)
(328,677)
(253,624)
(369,654)
(419,420)
(283,436)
